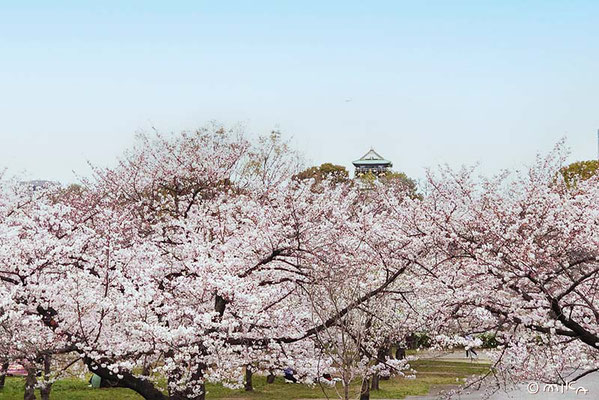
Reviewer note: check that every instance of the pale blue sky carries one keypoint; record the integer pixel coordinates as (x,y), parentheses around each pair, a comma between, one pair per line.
(430,81)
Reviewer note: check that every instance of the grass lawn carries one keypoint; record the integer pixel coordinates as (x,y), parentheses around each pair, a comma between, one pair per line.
(433,372)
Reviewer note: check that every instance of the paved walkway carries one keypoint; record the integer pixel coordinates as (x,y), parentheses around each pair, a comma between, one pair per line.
(527,391)
(458,355)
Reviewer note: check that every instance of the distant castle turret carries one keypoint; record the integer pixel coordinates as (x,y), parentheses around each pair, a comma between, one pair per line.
(373,163)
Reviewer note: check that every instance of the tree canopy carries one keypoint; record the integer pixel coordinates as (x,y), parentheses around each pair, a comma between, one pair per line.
(579,171)
(205,254)
(335,173)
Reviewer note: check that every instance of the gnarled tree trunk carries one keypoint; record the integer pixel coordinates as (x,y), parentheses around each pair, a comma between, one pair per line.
(3,369)
(248,379)
(365,390)
(381,356)
(375,382)
(189,394)
(30,382)
(143,387)
(400,353)
(47,387)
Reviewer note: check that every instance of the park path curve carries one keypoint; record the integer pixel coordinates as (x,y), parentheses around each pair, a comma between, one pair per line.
(590,383)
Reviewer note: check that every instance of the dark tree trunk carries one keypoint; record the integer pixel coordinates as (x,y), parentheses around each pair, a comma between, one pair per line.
(411,342)
(365,391)
(270,378)
(220,305)
(248,379)
(188,394)
(374,385)
(47,388)
(4,368)
(143,387)
(381,357)
(400,353)
(30,382)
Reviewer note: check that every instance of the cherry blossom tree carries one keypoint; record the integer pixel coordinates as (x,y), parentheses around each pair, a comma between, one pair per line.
(34,235)
(517,255)
(189,260)
(199,257)
(366,279)
(235,255)
(193,211)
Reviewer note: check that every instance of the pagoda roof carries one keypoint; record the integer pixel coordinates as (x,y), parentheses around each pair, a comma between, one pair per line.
(372,158)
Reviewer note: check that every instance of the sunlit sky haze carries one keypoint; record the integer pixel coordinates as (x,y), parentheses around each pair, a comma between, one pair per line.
(423,82)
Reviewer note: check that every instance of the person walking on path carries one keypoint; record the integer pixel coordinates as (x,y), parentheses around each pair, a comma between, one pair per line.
(470,352)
